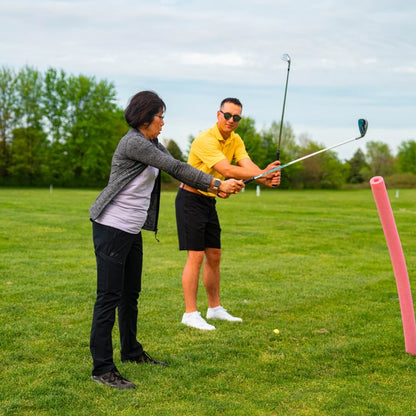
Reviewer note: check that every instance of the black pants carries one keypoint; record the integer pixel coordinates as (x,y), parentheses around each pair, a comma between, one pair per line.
(119,269)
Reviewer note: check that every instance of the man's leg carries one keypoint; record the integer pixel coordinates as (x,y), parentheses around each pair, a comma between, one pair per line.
(211,276)
(190,278)
(212,285)
(191,218)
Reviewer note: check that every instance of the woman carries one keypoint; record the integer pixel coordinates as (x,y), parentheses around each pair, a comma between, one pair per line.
(128,204)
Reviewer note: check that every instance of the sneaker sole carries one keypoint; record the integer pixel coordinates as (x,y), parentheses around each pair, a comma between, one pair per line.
(201,329)
(224,319)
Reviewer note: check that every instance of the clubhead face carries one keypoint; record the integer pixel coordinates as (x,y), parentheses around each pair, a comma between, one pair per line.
(286,57)
(362,125)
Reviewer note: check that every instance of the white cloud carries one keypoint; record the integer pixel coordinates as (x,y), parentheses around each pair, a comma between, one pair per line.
(202,59)
(410,69)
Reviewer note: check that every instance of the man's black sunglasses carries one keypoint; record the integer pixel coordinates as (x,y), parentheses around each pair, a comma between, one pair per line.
(227,116)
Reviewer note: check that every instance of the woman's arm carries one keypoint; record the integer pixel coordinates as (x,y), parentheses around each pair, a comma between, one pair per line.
(154,154)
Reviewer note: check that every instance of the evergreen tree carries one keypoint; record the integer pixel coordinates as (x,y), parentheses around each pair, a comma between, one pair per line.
(174,149)
(357,166)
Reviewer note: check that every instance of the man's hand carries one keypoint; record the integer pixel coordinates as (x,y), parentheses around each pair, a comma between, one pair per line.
(273,178)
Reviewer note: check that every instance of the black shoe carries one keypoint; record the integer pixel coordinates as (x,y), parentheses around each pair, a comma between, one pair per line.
(114,379)
(145,358)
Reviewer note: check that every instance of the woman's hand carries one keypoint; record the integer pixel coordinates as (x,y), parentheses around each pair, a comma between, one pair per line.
(223,195)
(230,186)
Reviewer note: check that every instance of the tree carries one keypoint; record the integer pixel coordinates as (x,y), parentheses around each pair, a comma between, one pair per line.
(56,123)
(289,150)
(29,88)
(406,157)
(191,138)
(55,105)
(252,140)
(7,106)
(379,158)
(288,147)
(358,165)
(335,173)
(174,149)
(27,155)
(323,170)
(27,145)
(94,129)
(176,152)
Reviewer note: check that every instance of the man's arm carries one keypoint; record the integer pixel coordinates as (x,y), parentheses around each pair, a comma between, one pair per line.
(246,169)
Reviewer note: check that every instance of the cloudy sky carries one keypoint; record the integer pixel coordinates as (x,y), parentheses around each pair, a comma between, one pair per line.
(350,59)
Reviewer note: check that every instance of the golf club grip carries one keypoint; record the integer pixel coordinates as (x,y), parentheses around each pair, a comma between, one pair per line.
(248,180)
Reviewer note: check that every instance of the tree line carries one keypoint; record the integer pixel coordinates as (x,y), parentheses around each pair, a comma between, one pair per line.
(63,129)
(56,129)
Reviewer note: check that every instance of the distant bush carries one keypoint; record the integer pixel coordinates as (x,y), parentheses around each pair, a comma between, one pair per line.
(401,180)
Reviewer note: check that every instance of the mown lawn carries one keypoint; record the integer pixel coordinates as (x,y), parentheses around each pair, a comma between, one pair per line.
(313,264)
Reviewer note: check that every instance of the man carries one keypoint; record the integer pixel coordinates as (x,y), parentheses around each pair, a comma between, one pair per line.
(213,152)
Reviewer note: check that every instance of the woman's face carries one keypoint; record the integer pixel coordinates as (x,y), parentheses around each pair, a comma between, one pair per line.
(152,130)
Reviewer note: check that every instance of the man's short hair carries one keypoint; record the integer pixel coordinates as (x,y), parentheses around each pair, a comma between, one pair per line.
(235,101)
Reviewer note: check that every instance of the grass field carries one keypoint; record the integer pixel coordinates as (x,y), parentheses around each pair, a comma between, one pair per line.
(313,264)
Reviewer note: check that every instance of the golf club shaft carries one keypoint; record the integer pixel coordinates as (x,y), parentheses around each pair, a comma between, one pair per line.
(283,111)
(298,160)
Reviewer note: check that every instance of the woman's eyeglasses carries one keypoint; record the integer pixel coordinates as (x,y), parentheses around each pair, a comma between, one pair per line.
(227,116)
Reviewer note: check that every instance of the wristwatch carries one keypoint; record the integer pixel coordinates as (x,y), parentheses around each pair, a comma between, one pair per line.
(216,186)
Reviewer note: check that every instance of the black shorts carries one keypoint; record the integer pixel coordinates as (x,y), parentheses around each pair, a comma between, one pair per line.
(197,221)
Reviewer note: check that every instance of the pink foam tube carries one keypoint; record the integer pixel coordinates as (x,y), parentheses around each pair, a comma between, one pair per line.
(399,265)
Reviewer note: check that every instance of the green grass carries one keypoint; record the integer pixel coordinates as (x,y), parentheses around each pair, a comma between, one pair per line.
(313,264)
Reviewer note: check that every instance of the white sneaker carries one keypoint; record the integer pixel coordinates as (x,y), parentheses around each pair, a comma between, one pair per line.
(195,320)
(220,313)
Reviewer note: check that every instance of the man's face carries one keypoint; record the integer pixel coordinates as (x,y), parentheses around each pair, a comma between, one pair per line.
(227,126)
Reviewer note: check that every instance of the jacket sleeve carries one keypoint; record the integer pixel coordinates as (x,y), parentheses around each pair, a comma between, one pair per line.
(144,151)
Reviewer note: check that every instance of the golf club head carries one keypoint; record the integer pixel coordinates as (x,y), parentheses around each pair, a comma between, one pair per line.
(286,58)
(362,125)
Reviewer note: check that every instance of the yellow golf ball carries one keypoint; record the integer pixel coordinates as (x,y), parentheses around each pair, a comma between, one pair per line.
(276,331)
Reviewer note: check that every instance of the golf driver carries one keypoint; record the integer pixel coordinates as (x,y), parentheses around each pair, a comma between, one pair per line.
(362,125)
(286,58)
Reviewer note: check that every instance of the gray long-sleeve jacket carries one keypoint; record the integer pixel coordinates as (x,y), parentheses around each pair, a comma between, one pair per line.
(133,154)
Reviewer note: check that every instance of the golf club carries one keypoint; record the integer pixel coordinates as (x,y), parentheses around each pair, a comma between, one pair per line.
(286,58)
(362,125)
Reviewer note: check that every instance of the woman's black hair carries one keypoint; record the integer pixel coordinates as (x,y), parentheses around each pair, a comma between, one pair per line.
(142,108)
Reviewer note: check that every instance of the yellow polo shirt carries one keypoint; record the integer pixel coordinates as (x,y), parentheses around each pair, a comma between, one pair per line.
(210,147)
